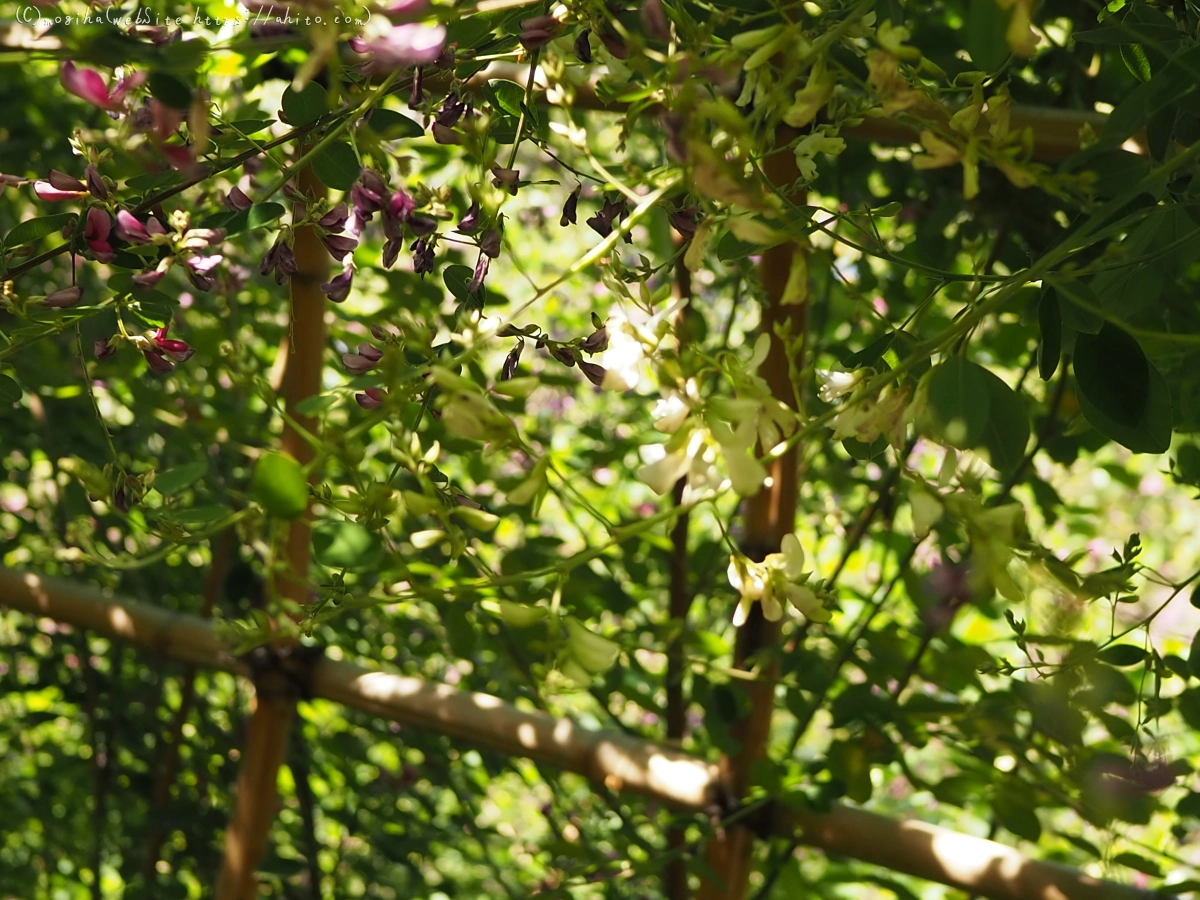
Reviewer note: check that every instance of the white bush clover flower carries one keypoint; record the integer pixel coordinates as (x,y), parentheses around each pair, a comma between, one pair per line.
(868,418)
(631,346)
(777,581)
(661,473)
(622,361)
(837,383)
(810,145)
(673,409)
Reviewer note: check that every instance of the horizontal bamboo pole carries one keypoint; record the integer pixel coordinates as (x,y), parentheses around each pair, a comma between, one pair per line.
(614,759)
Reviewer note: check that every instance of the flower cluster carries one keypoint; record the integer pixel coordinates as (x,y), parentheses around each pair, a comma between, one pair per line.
(776,582)
(728,428)
(867,416)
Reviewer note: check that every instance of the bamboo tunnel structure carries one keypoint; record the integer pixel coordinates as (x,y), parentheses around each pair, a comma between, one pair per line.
(614,759)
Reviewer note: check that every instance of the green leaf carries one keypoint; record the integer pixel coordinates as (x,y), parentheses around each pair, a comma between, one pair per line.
(1074,315)
(986,25)
(509,97)
(10,391)
(279,486)
(1112,369)
(1139,863)
(155,309)
(32,230)
(261,214)
(1194,656)
(196,518)
(1121,393)
(1007,430)
(302,107)
(1050,322)
(316,404)
(1115,170)
(347,545)
(393,125)
(336,166)
(1122,655)
(1122,34)
(860,450)
(152,180)
(1015,812)
(1189,805)
(1175,81)
(959,395)
(731,248)
(1136,61)
(172,481)
(247,127)
(457,278)
(170,90)
(1188,704)
(849,763)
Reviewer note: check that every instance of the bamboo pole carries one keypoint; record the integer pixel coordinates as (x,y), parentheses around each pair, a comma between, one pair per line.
(614,759)
(767,517)
(256,797)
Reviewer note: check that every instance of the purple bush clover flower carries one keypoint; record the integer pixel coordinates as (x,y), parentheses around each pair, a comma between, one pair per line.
(411,44)
(367,357)
(337,289)
(96,230)
(89,85)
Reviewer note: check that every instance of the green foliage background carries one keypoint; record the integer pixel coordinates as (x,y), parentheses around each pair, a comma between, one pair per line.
(1040,716)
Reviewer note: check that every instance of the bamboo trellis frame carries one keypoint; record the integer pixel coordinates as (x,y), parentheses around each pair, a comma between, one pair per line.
(614,759)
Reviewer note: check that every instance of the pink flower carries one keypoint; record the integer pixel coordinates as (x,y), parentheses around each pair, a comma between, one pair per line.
(89,85)
(403,46)
(199,270)
(371,398)
(149,278)
(162,352)
(364,361)
(95,234)
(405,10)
(60,186)
(179,351)
(129,229)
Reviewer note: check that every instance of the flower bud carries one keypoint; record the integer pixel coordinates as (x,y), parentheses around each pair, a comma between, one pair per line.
(64,298)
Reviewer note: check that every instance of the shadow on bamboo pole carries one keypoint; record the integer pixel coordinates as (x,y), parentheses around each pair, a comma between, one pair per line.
(275,693)
(614,759)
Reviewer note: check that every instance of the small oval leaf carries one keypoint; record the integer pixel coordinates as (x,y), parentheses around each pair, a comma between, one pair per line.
(279,486)
(32,230)
(172,481)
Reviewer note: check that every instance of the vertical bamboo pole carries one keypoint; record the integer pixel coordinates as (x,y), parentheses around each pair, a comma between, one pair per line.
(769,515)
(675,875)
(275,702)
